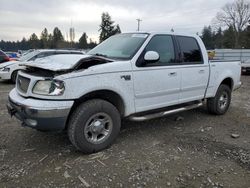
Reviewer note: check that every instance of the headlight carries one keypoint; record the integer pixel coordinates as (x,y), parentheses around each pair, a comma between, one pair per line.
(5,69)
(49,87)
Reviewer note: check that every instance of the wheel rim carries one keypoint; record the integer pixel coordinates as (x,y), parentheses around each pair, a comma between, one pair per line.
(223,100)
(98,128)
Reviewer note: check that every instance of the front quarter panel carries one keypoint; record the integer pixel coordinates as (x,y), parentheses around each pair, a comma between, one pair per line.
(116,77)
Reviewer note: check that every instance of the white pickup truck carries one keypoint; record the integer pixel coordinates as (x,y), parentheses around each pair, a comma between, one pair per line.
(138,76)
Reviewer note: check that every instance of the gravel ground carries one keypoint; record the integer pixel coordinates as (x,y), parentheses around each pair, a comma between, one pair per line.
(190,149)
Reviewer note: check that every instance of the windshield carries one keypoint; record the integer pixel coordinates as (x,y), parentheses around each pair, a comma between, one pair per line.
(28,56)
(122,46)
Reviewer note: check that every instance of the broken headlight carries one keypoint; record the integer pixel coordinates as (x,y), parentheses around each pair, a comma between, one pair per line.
(49,87)
(5,69)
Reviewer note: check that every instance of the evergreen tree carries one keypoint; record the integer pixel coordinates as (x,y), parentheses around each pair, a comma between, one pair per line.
(34,41)
(228,39)
(207,37)
(91,44)
(23,44)
(245,38)
(44,38)
(57,38)
(47,40)
(218,38)
(117,29)
(83,41)
(50,41)
(107,27)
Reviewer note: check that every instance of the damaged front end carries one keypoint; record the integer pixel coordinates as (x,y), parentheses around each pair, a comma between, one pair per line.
(42,78)
(38,100)
(55,66)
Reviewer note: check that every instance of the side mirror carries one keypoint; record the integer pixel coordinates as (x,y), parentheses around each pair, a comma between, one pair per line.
(151,56)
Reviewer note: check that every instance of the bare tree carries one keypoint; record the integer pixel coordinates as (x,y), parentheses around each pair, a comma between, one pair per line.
(236,15)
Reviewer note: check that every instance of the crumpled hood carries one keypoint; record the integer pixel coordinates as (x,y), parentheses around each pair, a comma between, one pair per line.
(57,62)
(8,63)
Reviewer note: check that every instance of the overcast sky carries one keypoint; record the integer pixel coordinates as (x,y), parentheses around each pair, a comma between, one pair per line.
(21,18)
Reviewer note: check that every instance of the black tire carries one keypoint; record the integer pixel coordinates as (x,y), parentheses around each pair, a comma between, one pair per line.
(78,125)
(216,105)
(13,76)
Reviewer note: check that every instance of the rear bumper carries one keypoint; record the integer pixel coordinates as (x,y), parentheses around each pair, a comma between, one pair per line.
(39,114)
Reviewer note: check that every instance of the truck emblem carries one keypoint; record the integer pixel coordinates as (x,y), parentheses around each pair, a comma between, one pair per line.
(126,77)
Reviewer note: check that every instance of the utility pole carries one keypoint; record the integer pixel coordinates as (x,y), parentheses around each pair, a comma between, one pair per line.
(71,34)
(138,24)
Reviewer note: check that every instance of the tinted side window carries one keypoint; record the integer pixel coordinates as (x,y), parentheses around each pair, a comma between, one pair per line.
(163,44)
(190,49)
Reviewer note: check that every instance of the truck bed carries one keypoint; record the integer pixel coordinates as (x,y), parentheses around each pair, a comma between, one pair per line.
(221,70)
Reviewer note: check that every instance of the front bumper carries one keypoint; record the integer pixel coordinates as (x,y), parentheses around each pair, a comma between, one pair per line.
(39,114)
(4,75)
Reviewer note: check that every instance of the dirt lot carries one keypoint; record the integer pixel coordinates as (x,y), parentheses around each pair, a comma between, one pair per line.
(196,151)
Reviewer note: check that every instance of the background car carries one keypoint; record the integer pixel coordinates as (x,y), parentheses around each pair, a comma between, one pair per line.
(3,57)
(14,56)
(8,70)
(245,67)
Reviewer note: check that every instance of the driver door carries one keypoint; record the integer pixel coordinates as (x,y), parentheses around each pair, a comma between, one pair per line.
(157,84)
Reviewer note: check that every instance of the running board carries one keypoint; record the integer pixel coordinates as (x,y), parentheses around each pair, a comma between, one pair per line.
(165,113)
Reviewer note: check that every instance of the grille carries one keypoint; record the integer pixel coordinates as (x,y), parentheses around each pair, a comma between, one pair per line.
(23,84)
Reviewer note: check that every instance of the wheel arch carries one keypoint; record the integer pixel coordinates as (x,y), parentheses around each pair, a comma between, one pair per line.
(108,95)
(229,82)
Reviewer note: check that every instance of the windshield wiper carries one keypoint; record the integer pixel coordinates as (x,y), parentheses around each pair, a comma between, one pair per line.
(101,55)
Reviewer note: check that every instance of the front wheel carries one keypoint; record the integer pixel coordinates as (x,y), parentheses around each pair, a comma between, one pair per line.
(221,102)
(94,125)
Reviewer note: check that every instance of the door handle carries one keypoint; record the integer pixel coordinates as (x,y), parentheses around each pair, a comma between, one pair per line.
(172,74)
(201,71)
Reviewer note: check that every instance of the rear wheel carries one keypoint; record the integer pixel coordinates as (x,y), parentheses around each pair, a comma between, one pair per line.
(13,76)
(221,102)
(94,125)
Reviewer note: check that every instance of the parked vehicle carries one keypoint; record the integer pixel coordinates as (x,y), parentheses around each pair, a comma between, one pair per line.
(3,57)
(8,70)
(13,56)
(245,67)
(138,76)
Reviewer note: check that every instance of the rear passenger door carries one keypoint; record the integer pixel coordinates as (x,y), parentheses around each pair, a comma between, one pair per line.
(157,84)
(194,70)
